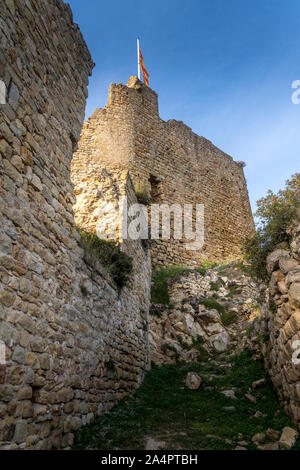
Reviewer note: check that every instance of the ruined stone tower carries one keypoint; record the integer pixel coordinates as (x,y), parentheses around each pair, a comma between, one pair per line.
(172,164)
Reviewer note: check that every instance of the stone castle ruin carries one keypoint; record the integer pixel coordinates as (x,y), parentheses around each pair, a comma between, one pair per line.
(73,343)
(172,164)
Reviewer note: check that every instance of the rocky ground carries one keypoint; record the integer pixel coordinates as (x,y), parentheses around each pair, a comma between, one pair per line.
(207,388)
(202,309)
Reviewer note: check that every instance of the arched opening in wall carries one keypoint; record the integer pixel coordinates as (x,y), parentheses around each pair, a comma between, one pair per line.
(156,189)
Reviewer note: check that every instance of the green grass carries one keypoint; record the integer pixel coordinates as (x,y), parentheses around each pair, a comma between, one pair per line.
(211,304)
(166,410)
(215,286)
(142,194)
(222,268)
(155,311)
(228,318)
(198,345)
(108,253)
(234,291)
(159,289)
(206,264)
(273,307)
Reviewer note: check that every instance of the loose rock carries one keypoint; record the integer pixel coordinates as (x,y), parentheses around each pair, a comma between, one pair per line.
(193,381)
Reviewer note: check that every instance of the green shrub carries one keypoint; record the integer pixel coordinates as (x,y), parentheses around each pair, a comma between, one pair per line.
(198,344)
(168,347)
(206,264)
(182,343)
(108,253)
(228,318)
(234,291)
(201,271)
(155,311)
(275,213)
(273,307)
(240,264)
(142,194)
(215,286)
(211,304)
(159,289)
(251,327)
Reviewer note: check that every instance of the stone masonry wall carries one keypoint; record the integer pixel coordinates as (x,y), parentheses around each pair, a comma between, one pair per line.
(280,325)
(174,165)
(73,344)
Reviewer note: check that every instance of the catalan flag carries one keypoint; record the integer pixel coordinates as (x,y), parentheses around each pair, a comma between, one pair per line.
(141,65)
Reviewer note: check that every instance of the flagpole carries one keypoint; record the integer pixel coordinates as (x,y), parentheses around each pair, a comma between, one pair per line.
(138,54)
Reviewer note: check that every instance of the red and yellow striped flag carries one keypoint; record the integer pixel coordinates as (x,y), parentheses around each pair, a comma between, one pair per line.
(144,70)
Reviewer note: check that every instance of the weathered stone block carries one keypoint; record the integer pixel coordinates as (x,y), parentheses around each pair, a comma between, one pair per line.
(20,432)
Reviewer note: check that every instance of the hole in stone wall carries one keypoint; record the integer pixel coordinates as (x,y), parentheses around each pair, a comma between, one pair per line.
(156,191)
(74,142)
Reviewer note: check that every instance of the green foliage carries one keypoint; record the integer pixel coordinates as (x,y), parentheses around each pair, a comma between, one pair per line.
(240,264)
(234,291)
(250,330)
(155,311)
(251,327)
(211,304)
(273,307)
(198,345)
(275,212)
(159,289)
(262,338)
(162,407)
(166,346)
(214,286)
(228,318)
(206,264)
(201,271)
(142,194)
(108,253)
(222,268)
(182,343)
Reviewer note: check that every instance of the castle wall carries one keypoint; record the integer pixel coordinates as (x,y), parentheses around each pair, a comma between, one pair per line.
(175,166)
(280,326)
(74,344)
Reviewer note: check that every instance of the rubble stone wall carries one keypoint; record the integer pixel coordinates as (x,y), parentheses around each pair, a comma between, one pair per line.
(73,344)
(175,166)
(280,325)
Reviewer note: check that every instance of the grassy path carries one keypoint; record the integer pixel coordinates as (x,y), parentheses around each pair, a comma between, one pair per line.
(166,411)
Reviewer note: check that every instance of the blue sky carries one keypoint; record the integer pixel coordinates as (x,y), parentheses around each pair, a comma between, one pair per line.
(224,67)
